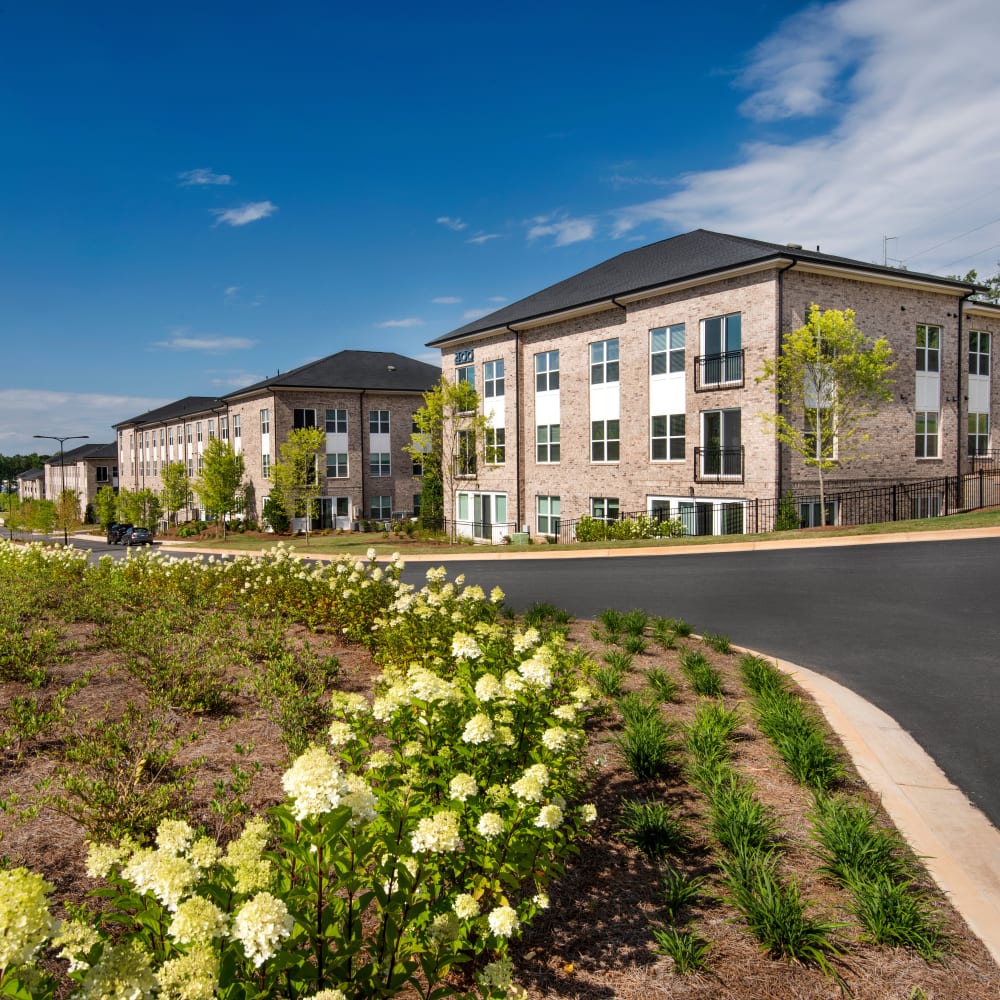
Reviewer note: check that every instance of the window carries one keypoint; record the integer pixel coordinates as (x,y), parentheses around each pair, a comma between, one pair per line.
(265,421)
(197,427)
(381,508)
(722,445)
(979,353)
(666,350)
(211,429)
(336,465)
(236,425)
(467,373)
(496,445)
(303,418)
(265,465)
(378,421)
(465,454)
(667,438)
(820,436)
(188,430)
(162,433)
(547,443)
(547,371)
(723,350)
(170,435)
(604,440)
(979,434)
(604,508)
(928,348)
(418,468)
(102,474)
(809,513)
(927,434)
(604,362)
(154,466)
(224,428)
(190,468)
(493,379)
(379,463)
(416,504)
(547,515)
(201,464)
(336,421)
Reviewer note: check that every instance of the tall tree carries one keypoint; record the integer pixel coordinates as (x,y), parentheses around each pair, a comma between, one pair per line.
(106,506)
(141,508)
(176,493)
(67,509)
(448,442)
(829,381)
(221,481)
(296,474)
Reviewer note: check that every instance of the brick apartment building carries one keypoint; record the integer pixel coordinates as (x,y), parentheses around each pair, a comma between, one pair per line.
(85,470)
(365,400)
(632,385)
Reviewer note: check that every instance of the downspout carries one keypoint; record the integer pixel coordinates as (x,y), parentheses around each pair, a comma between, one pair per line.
(777,351)
(361,428)
(958,386)
(519,471)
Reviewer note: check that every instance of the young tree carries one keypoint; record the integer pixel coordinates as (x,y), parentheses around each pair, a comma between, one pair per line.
(141,508)
(296,475)
(447,442)
(221,481)
(829,380)
(67,511)
(176,493)
(106,506)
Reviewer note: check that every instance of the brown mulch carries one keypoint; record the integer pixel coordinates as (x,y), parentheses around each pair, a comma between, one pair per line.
(595,940)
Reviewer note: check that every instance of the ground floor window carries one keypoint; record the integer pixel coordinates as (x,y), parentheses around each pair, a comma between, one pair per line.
(927,434)
(482,515)
(604,508)
(381,508)
(334,514)
(708,516)
(547,514)
(979,434)
(809,513)
(925,506)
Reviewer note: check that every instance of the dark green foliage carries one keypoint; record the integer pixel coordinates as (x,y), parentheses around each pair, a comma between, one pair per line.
(687,950)
(678,891)
(541,614)
(737,820)
(646,746)
(704,678)
(660,682)
(664,634)
(653,828)
(710,732)
(720,643)
(898,914)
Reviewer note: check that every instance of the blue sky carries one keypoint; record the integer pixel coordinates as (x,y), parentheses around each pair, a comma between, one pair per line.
(193,199)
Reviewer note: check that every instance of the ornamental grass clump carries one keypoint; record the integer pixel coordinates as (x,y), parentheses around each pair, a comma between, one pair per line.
(710,733)
(704,678)
(610,679)
(678,891)
(720,643)
(688,951)
(661,684)
(422,826)
(654,828)
(646,745)
(664,634)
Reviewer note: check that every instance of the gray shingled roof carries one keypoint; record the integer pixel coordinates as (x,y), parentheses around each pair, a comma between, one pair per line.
(680,258)
(31,474)
(171,411)
(353,370)
(85,451)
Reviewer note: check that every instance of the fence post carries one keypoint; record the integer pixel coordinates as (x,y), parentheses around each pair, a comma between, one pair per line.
(947,480)
(981,488)
(895,487)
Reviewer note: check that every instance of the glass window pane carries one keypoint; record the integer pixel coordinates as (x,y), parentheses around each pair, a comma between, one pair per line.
(734,326)
(659,449)
(677,337)
(596,353)
(676,362)
(658,340)
(713,335)
(554,380)
(658,364)
(613,451)
(612,371)
(660,426)
(613,429)
(612,350)
(676,424)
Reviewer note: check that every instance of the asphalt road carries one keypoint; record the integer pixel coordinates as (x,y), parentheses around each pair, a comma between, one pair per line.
(914,627)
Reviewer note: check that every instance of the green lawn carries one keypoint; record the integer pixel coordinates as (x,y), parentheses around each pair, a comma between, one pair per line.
(357,544)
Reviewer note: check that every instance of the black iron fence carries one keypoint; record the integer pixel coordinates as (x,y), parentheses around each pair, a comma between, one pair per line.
(715,371)
(844,508)
(715,464)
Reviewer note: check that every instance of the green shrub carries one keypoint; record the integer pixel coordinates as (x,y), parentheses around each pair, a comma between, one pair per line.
(737,820)
(704,678)
(664,634)
(687,950)
(653,828)
(898,915)
(660,682)
(720,643)
(590,529)
(678,891)
(710,732)
(609,680)
(646,745)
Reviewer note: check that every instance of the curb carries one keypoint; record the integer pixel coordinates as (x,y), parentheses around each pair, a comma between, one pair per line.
(957,844)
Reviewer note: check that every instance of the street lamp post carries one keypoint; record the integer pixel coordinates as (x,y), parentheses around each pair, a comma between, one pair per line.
(62,466)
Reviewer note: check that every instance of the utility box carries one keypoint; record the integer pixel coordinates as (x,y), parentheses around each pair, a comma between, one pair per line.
(519,538)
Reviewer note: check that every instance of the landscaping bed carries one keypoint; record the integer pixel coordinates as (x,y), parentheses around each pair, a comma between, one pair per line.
(237,722)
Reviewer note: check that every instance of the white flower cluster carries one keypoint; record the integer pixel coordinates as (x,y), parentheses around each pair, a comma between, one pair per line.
(465,906)
(530,787)
(479,729)
(261,925)
(488,688)
(25,922)
(462,787)
(197,920)
(169,877)
(550,817)
(503,921)
(537,670)
(315,784)
(465,647)
(425,685)
(490,825)
(437,834)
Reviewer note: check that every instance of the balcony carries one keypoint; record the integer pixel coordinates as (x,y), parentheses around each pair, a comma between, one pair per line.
(714,465)
(718,371)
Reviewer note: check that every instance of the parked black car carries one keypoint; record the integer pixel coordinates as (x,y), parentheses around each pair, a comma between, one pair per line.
(116,531)
(137,536)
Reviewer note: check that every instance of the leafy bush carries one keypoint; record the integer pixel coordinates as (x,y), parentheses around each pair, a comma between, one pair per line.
(590,529)
(646,745)
(687,949)
(662,684)
(653,828)
(704,678)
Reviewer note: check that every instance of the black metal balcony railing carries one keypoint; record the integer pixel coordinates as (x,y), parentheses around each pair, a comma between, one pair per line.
(718,371)
(714,464)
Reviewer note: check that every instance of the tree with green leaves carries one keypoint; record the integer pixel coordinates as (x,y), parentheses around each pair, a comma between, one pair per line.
(448,442)
(142,508)
(829,380)
(39,515)
(220,484)
(176,493)
(106,506)
(296,474)
(68,517)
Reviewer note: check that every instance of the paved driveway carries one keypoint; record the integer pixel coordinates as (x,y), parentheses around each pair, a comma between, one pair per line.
(912,627)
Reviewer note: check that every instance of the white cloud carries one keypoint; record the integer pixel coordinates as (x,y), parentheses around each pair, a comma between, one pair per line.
(497,298)
(446,300)
(619,181)
(408,321)
(483,238)
(201,176)
(913,150)
(24,412)
(181,341)
(250,212)
(565,230)
(231,291)
(234,380)
(474,313)
(456,225)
